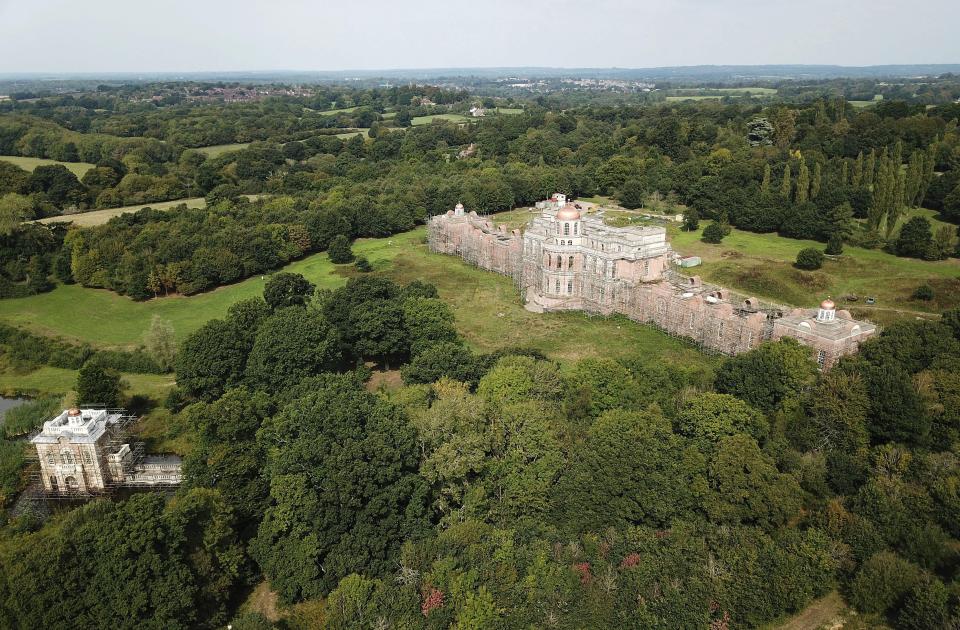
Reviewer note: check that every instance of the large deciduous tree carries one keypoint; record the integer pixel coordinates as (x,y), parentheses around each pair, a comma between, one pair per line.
(344,490)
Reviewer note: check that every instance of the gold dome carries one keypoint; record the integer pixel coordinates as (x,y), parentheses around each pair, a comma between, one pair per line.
(827,305)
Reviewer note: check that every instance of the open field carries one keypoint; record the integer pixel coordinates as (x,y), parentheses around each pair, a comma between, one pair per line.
(509,110)
(106,319)
(30,163)
(426,120)
(487,308)
(99,217)
(220,149)
(350,134)
(762,265)
(60,381)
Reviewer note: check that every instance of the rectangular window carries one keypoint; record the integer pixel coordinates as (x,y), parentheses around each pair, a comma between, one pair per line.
(821,358)
(87,459)
(569,286)
(558,286)
(566,229)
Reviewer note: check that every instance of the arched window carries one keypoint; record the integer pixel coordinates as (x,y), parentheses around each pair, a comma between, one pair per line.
(566,229)
(549,260)
(570,262)
(559,262)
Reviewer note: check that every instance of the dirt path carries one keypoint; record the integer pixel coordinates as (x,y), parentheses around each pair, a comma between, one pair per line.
(827,612)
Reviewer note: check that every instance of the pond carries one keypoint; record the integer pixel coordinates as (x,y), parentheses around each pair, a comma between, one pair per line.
(9,403)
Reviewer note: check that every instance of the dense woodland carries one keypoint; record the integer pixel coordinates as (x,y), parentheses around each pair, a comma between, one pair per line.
(499,490)
(822,170)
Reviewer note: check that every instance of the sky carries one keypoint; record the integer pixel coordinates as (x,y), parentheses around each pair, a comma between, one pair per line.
(62,36)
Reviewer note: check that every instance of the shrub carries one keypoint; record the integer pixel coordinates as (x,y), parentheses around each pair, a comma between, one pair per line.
(691,220)
(923,292)
(339,250)
(809,259)
(834,246)
(713,233)
(362,264)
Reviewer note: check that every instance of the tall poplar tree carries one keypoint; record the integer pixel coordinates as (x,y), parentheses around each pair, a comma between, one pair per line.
(869,168)
(765,185)
(815,182)
(858,171)
(786,185)
(803,182)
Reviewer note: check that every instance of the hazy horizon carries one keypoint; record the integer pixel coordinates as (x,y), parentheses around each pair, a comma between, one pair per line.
(56,36)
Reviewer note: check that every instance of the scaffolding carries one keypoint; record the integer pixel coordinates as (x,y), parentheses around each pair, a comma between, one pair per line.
(113,465)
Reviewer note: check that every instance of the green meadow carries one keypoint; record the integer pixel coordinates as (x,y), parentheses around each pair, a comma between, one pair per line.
(30,163)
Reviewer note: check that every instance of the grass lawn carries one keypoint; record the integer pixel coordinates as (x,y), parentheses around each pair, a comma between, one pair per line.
(30,163)
(51,380)
(106,319)
(99,217)
(355,132)
(762,265)
(426,120)
(487,307)
(698,98)
(509,110)
(219,149)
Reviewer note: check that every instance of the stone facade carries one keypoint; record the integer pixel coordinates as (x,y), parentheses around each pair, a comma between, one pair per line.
(79,454)
(570,259)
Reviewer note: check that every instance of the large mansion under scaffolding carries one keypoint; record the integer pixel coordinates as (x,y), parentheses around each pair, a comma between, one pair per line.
(568,260)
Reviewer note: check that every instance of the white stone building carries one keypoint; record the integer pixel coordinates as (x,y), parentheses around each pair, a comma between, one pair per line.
(80,453)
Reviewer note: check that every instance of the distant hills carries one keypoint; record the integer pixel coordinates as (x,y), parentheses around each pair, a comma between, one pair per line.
(699,73)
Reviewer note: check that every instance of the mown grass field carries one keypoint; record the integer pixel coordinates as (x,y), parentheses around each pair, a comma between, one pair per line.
(30,163)
(426,120)
(762,265)
(99,217)
(105,319)
(51,380)
(220,149)
(487,307)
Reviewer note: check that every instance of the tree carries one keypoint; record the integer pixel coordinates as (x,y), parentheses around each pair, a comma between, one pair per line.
(444,359)
(57,183)
(915,238)
(834,246)
(707,417)
(160,342)
(630,470)
(713,233)
(428,321)
(632,194)
(925,606)
(363,265)
(747,488)
(212,358)
(604,384)
(768,374)
(287,289)
(98,385)
(809,259)
(339,250)
(882,582)
(786,184)
(344,487)
(227,457)
(691,220)
(290,345)
(14,209)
